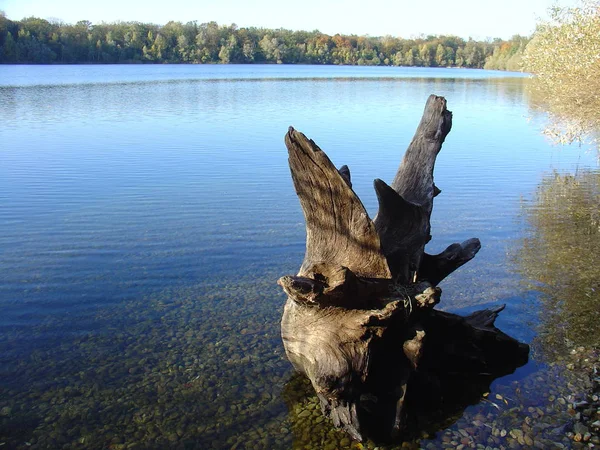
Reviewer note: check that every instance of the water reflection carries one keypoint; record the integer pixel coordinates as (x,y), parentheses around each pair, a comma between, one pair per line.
(560,258)
(19,75)
(208,98)
(569,117)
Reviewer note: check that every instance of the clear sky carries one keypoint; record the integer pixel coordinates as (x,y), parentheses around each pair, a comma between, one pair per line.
(465,18)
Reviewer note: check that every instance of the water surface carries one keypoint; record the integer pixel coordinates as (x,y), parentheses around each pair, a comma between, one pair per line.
(147,211)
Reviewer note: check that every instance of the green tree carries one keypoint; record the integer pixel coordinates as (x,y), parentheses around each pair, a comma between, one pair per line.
(133,42)
(427,55)
(473,55)
(409,57)
(248,51)
(29,49)
(208,41)
(272,49)
(228,50)
(440,56)
(459,60)
(158,48)
(9,49)
(183,49)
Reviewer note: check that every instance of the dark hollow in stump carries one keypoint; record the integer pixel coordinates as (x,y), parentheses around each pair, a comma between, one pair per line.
(359,319)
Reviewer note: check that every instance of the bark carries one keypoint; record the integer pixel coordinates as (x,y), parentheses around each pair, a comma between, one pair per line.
(359,319)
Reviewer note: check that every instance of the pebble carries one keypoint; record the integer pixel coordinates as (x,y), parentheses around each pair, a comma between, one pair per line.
(580,428)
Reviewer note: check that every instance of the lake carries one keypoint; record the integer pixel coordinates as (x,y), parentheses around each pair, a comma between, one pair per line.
(146,213)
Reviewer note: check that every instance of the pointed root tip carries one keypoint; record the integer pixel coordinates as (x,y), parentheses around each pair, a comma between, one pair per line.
(290,134)
(284,281)
(299,139)
(379,184)
(434,97)
(385,194)
(390,200)
(498,309)
(473,245)
(344,171)
(384,190)
(446,124)
(439,99)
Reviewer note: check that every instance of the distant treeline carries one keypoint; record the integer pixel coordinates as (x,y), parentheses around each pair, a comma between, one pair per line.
(39,41)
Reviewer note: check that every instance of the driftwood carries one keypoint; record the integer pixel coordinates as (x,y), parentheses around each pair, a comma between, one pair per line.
(359,319)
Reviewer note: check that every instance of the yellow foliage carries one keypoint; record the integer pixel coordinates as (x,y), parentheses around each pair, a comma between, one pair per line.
(564,54)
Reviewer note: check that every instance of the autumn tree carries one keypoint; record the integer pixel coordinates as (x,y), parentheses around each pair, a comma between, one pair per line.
(507,55)
(564,54)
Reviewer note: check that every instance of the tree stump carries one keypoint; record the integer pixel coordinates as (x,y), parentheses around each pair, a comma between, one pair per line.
(359,320)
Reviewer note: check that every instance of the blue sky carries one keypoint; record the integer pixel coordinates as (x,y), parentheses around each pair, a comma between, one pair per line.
(466,18)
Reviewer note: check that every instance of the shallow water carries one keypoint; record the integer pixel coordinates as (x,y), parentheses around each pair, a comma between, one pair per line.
(147,211)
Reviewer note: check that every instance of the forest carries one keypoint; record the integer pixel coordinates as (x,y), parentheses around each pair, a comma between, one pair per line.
(39,41)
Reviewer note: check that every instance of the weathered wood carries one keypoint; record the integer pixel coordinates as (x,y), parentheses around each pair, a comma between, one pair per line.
(434,268)
(403,221)
(332,346)
(414,179)
(359,320)
(345,173)
(401,226)
(339,231)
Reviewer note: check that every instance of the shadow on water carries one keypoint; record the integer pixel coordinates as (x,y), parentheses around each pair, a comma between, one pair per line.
(433,405)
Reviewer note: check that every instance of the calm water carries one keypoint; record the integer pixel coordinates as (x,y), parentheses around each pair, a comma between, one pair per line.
(147,211)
